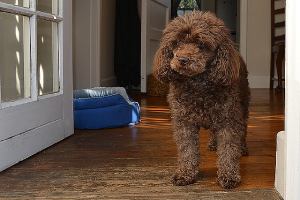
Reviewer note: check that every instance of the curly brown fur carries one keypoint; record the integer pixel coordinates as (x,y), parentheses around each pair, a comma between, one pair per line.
(209,89)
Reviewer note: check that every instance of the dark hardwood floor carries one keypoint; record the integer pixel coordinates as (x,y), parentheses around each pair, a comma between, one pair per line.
(137,162)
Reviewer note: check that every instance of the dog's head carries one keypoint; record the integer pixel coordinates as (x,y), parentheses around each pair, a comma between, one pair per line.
(196,43)
(190,59)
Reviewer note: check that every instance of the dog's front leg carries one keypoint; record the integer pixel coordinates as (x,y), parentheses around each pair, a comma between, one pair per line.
(229,153)
(212,141)
(186,136)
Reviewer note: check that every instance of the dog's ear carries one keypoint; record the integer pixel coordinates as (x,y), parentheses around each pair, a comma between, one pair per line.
(227,64)
(161,65)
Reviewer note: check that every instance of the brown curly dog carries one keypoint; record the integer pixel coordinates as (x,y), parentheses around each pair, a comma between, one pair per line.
(209,89)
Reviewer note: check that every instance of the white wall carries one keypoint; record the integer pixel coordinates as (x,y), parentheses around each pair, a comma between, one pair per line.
(93,41)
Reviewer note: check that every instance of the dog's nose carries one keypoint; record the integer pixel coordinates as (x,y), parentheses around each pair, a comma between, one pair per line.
(183,60)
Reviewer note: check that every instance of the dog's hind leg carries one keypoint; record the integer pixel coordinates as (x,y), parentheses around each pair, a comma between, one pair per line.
(212,143)
(186,136)
(229,153)
(245,151)
(243,141)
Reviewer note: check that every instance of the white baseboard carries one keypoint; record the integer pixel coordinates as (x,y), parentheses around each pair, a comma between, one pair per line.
(280,164)
(108,82)
(259,81)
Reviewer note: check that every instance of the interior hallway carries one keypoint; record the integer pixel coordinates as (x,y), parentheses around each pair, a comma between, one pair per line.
(137,162)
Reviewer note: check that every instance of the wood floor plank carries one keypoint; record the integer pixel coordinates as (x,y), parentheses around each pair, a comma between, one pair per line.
(137,162)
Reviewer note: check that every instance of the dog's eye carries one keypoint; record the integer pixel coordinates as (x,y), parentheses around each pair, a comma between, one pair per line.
(202,46)
(170,54)
(175,44)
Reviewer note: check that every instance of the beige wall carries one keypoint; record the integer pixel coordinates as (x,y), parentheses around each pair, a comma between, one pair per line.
(255,37)
(107,44)
(259,42)
(93,43)
(81,44)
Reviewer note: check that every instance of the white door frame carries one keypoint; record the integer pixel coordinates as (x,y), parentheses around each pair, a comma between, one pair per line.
(292,99)
(68,68)
(292,109)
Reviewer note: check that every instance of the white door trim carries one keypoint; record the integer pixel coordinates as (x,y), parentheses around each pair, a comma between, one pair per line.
(292,123)
(68,69)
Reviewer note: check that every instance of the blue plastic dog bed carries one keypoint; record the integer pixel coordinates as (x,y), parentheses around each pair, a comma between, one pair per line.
(104,108)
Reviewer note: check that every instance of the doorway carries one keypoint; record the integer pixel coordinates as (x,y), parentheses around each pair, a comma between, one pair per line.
(228,10)
(127,53)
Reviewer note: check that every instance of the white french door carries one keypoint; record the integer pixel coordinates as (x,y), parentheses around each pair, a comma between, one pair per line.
(35,76)
(155,15)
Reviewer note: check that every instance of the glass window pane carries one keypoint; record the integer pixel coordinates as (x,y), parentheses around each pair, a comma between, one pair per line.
(48,6)
(14,57)
(47,57)
(22,3)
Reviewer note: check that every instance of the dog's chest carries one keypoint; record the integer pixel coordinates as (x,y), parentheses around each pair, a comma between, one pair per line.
(196,104)
(201,103)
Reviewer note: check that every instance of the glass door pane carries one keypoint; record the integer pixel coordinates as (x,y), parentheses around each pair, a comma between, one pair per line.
(47,57)
(14,57)
(48,6)
(22,3)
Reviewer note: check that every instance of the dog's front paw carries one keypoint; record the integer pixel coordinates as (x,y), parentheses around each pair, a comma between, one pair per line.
(229,182)
(182,179)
